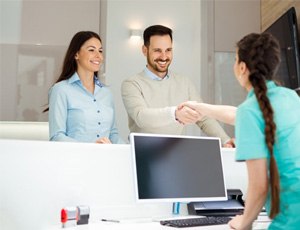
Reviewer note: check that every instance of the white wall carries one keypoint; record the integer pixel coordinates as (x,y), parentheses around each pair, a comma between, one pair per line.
(34,35)
(33,68)
(124,58)
(200,30)
(240,18)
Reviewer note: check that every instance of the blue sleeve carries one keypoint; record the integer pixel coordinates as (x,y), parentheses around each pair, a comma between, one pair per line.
(250,135)
(58,109)
(114,136)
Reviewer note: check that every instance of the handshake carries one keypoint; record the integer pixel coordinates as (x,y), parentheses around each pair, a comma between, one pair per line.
(190,112)
(187,113)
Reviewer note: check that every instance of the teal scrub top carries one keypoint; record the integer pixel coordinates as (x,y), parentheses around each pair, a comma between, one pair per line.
(250,144)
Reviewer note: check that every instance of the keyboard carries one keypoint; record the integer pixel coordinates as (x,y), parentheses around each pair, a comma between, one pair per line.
(198,221)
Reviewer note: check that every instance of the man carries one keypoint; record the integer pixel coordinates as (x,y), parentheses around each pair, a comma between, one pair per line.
(152,97)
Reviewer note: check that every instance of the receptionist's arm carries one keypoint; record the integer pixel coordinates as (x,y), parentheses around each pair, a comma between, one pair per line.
(256,194)
(223,113)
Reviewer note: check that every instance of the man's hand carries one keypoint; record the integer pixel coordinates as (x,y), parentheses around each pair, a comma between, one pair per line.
(186,115)
(230,143)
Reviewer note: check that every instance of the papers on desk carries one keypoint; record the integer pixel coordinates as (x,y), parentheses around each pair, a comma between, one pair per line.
(128,220)
(260,225)
(262,222)
(263,217)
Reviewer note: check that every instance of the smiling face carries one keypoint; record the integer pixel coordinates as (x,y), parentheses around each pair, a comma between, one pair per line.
(159,54)
(90,56)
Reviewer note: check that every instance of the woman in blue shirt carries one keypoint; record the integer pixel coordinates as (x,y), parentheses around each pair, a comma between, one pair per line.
(267,129)
(81,108)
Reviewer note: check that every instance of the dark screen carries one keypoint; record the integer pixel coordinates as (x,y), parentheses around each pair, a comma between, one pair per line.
(286,31)
(177,167)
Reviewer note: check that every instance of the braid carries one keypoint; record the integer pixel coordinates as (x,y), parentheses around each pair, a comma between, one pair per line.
(260,91)
(261,53)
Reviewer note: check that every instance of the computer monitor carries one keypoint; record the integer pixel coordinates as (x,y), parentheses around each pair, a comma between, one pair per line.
(285,29)
(170,168)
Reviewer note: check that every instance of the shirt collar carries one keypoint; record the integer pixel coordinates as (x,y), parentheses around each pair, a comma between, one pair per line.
(270,85)
(153,76)
(98,82)
(75,78)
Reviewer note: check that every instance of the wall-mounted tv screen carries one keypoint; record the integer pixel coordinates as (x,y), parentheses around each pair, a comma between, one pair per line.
(285,29)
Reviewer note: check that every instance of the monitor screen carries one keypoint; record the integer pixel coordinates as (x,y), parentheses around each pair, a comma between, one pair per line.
(177,168)
(285,29)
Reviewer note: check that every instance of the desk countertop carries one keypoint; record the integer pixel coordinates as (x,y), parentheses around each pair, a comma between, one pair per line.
(149,226)
(132,226)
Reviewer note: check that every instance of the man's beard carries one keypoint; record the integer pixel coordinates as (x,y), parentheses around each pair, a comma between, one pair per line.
(154,65)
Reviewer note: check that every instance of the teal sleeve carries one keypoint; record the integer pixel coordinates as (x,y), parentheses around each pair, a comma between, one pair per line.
(250,136)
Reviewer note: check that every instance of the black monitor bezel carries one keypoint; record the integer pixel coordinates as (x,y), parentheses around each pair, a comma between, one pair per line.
(285,29)
(176,199)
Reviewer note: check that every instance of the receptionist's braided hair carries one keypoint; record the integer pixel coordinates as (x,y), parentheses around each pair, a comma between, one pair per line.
(261,54)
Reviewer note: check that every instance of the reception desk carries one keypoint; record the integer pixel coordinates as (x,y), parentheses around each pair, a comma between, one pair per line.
(39,178)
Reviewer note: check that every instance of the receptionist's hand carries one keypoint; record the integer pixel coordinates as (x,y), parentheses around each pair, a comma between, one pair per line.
(103,140)
(237,223)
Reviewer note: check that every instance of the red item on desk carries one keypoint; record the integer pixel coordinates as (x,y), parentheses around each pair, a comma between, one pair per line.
(69,216)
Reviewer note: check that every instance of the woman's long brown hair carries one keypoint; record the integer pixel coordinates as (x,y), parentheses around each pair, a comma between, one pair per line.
(261,53)
(70,65)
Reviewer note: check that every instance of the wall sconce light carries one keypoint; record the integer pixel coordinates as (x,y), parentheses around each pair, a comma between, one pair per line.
(135,34)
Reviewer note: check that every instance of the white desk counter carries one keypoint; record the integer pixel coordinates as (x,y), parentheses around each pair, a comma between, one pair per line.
(134,226)
(149,226)
(39,178)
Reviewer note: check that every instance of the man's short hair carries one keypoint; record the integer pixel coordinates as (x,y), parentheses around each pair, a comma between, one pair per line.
(156,30)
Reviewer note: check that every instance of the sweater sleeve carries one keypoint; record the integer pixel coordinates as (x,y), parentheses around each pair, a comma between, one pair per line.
(208,125)
(213,129)
(138,110)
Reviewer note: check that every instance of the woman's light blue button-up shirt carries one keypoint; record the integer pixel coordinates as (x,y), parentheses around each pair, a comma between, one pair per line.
(75,114)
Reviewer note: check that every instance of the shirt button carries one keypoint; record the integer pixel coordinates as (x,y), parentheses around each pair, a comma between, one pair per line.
(98,135)
(98,111)
(99,123)
(94,99)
